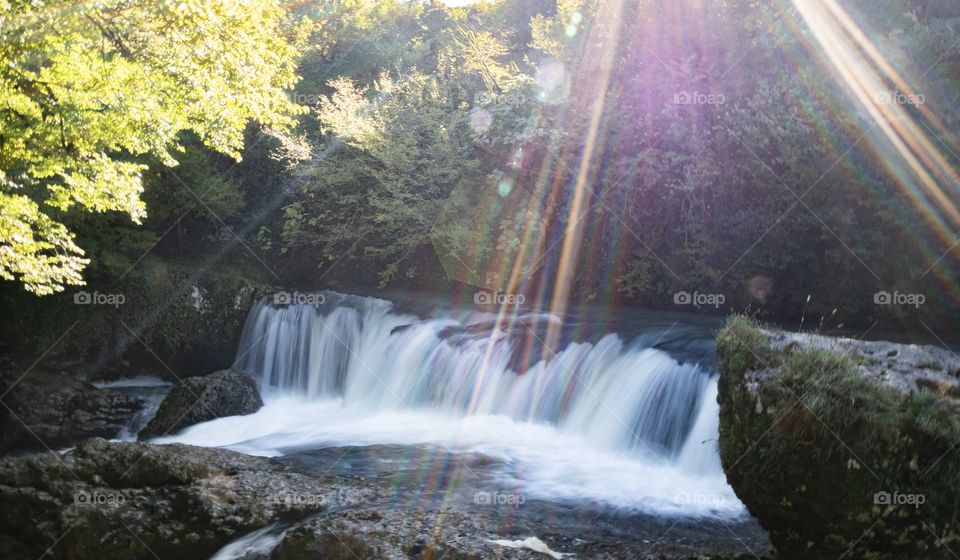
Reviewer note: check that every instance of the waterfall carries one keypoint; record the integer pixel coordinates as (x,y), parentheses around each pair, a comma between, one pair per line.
(600,418)
(358,349)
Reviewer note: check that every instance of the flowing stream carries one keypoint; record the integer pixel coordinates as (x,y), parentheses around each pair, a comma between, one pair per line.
(619,423)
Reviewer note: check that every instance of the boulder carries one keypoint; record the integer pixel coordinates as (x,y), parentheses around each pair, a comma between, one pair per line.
(841,447)
(48,409)
(201,399)
(127,500)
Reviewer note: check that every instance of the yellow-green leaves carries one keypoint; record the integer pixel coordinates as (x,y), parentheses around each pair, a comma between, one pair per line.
(34,249)
(100,184)
(87,90)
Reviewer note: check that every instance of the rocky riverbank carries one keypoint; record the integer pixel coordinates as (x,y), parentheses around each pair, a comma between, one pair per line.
(840,447)
(134,500)
(52,408)
(339,499)
(128,500)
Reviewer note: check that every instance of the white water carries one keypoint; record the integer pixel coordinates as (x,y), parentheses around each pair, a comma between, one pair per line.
(150,390)
(606,423)
(128,382)
(254,545)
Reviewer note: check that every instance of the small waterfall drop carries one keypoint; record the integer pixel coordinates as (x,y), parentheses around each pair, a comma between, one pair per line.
(357,349)
(604,420)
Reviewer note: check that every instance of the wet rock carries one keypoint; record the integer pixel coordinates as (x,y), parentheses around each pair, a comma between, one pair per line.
(388,531)
(840,447)
(135,500)
(200,399)
(449,533)
(898,366)
(50,409)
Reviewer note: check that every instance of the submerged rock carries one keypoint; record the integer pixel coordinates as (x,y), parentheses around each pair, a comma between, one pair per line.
(840,447)
(134,500)
(200,399)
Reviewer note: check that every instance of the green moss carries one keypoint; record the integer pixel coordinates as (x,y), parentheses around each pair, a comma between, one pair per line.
(807,442)
(743,346)
(831,389)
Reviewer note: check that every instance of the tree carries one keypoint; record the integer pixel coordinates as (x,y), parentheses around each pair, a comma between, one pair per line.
(89,91)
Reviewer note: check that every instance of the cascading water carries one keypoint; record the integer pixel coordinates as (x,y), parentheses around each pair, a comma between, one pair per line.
(604,421)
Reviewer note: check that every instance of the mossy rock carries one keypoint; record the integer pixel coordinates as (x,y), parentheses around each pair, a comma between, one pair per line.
(201,399)
(832,462)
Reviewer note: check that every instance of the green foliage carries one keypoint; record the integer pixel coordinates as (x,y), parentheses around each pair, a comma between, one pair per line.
(409,116)
(86,89)
(407,152)
(36,249)
(194,183)
(186,316)
(416,105)
(396,144)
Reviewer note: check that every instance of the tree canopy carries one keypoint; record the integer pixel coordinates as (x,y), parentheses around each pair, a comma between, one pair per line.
(627,150)
(92,93)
